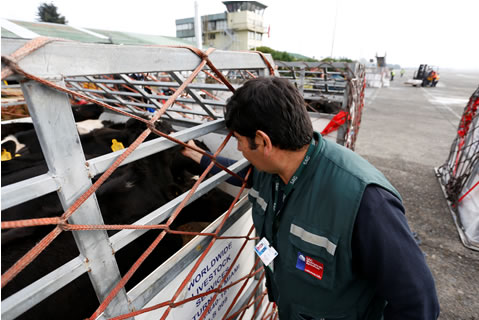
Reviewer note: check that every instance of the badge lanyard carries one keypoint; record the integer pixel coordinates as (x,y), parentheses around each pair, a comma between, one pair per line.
(265,251)
(282,192)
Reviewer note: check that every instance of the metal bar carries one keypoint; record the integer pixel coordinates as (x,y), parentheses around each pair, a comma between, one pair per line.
(21,120)
(10,86)
(88,93)
(172,59)
(17,103)
(205,86)
(319,64)
(150,96)
(29,189)
(113,93)
(142,93)
(177,76)
(64,156)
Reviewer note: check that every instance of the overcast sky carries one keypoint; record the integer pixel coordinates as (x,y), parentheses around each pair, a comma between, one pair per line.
(409,32)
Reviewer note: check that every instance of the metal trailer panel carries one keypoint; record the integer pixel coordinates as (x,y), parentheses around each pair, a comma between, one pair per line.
(40,289)
(53,62)
(95,59)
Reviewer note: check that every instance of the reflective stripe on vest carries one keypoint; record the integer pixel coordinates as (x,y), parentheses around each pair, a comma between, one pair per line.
(313,238)
(255,194)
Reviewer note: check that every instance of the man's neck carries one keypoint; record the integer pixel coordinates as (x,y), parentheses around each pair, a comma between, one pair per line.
(289,162)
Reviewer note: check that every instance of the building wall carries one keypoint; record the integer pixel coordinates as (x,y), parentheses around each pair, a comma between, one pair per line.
(246,27)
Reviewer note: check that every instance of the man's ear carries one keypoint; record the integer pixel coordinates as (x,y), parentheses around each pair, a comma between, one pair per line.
(263,139)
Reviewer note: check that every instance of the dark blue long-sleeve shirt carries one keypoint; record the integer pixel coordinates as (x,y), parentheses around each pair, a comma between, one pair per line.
(386,253)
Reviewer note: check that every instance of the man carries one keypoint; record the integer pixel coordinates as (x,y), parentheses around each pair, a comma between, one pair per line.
(344,248)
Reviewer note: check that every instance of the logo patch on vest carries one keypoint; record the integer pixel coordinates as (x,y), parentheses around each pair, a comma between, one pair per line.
(309,265)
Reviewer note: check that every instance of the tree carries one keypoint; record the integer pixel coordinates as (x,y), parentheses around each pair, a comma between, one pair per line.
(284,55)
(47,12)
(341,59)
(277,55)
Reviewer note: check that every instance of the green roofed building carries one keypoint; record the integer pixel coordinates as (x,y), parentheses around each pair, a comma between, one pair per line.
(29,30)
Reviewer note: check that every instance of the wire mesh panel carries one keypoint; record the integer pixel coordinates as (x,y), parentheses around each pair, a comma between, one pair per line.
(121,187)
(459,175)
(334,93)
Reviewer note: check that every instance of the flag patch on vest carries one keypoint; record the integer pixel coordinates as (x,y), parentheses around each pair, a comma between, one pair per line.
(309,265)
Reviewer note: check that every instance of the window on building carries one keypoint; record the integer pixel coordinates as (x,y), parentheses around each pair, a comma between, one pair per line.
(185,26)
(221,25)
(251,35)
(259,36)
(211,36)
(211,25)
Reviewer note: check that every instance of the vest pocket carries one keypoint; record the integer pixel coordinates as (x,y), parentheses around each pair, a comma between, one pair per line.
(311,258)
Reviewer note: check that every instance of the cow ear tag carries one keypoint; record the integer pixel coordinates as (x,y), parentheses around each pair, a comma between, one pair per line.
(115,145)
(6,155)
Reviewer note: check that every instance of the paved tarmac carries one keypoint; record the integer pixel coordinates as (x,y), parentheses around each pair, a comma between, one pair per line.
(406,132)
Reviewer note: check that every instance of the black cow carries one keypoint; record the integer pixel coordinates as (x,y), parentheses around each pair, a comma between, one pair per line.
(15,127)
(87,111)
(324,106)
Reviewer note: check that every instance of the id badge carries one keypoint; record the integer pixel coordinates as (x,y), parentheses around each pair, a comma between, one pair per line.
(266,252)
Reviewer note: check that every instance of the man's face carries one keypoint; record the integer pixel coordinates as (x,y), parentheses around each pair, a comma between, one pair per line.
(255,156)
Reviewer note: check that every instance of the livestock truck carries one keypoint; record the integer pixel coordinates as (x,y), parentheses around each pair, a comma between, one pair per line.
(84,237)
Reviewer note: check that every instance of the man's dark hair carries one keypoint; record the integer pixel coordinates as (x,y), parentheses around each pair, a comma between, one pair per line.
(274,106)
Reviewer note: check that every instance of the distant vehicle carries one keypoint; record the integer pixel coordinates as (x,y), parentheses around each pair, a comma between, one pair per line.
(425,76)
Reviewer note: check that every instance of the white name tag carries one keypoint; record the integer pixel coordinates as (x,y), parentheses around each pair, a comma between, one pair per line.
(265,251)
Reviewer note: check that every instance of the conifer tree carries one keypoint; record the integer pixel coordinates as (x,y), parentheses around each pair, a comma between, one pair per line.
(47,12)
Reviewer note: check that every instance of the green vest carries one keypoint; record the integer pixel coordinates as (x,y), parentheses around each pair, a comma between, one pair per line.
(312,276)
